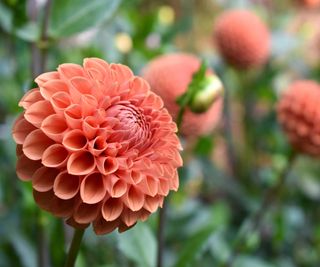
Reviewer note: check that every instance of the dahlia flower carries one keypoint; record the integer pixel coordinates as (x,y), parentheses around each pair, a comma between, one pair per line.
(169,77)
(97,145)
(242,39)
(299,115)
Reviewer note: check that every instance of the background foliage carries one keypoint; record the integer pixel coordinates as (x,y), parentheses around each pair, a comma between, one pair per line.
(215,198)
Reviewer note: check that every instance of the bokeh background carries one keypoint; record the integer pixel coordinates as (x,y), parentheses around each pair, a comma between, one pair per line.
(215,199)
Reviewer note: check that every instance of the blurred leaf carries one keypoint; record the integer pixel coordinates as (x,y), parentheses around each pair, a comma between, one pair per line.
(139,245)
(23,248)
(194,247)
(28,32)
(70,17)
(5,18)
(248,261)
(199,239)
(204,145)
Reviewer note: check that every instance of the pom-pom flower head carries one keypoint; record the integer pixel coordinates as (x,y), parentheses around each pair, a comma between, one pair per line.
(242,39)
(169,77)
(97,145)
(299,114)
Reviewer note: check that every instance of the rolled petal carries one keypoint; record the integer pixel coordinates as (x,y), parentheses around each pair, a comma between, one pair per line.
(80,86)
(69,70)
(55,156)
(88,104)
(86,213)
(73,115)
(75,140)
(122,73)
(43,179)
(66,186)
(174,182)
(102,227)
(43,78)
(129,218)
(35,144)
(38,111)
(21,129)
(134,199)
(112,209)
(93,188)
(136,176)
(107,165)
(95,69)
(76,225)
(54,127)
(60,101)
(26,167)
(31,97)
(116,187)
(149,185)
(90,127)
(97,146)
(62,207)
(163,186)
(151,204)
(81,163)
(43,199)
(49,88)
(19,150)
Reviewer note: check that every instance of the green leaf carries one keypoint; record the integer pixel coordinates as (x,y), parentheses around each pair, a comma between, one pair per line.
(197,242)
(194,247)
(69,17)
(139,245)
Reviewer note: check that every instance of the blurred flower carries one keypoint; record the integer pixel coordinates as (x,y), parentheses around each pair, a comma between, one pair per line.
(242,38)
(123,42)
(310,3)
(169,76)
(97,145)
(166,15)
(299,114)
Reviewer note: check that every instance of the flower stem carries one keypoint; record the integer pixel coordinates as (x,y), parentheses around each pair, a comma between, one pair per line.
(74,247)
(160,234)
(254,221)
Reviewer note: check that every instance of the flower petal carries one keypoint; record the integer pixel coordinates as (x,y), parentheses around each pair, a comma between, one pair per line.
(93,189)
(26,167)
(38,111)
(112,209)
(81,163)
(35,144)
(75,140)
(66,186)
(21,129)
(55,156)
(43,179)
(54,126)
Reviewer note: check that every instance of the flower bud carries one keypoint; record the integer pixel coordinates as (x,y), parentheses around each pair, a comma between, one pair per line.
(211,90)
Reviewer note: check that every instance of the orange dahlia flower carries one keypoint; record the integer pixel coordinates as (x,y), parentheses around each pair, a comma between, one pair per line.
(242,39)
(97,145)
(299,114)
(169,77)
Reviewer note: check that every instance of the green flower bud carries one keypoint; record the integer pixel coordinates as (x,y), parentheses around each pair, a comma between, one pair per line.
(212,89)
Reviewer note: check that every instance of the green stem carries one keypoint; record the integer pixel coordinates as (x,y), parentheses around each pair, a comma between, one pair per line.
(74,247)
(180,117)
(254,221)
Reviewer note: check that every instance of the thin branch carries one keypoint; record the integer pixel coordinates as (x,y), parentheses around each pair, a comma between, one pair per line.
(253,223)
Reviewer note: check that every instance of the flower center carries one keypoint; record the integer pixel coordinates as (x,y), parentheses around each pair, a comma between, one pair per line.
(132,126)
